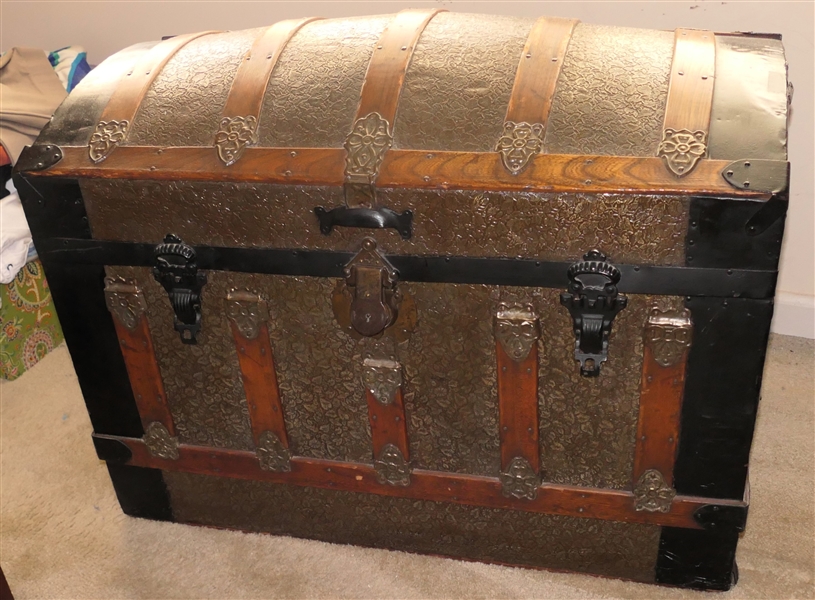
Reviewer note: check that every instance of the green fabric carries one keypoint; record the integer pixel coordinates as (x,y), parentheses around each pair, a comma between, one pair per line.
(29,328)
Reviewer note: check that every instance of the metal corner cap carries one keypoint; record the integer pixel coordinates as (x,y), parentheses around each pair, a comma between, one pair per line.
(760,175)
(38,158)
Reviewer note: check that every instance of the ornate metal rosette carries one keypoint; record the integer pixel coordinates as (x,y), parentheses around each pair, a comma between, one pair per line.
(382,378)
(247,311)
(366,145)
(125,301)
(518,144)
(681,149)
(106,136)
(234,135)
(517,328)
(272,454)
(391,467)
(652,494)
(668,335)
(159,442)
(520,480)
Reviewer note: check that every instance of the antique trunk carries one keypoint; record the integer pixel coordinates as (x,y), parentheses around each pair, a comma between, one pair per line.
(479,286)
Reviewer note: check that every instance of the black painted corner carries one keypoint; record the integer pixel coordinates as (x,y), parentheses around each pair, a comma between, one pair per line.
(141,492)
(716,517)
(111,450)
(697,559)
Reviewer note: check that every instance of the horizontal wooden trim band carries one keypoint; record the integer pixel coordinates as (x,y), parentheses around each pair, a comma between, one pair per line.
(405,169)
(635,279)
(571,501)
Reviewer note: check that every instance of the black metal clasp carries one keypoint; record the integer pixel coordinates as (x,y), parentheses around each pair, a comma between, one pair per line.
(177,272)
(593,302)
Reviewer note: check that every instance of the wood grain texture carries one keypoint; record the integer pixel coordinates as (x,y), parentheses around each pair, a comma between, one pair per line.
(145,377)
(260,385)
(386,70)
(388,425)
(249,86)
(538,70)
(659,418)
(404,169)
(518,407)
(573,501)
(128,95)
(690,92)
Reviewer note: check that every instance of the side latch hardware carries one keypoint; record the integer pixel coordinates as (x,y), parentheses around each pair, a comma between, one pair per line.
(593,302)
(177,272)
(372,282)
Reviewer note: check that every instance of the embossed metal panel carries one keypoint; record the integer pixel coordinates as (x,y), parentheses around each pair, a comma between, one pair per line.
(632,228)
(456,90)
(591,546)
(610,99)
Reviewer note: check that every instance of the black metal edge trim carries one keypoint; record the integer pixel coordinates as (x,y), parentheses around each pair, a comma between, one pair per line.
(38,158)
(111,449)
(635,279)
(697,559)
(141,491)
(716,517)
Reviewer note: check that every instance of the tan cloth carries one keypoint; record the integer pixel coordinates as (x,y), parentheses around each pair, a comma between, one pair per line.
(30,92)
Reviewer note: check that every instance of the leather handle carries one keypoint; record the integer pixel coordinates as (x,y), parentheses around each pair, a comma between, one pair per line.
(369,218)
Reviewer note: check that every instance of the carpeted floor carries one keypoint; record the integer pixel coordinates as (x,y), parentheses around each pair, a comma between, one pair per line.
(62,534)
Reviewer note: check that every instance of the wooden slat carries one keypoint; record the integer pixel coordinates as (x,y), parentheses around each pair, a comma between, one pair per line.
(249,86)
(690,93)
(518,407)
(386,70)
(404,168)
(572,501)
(260,383)
(538,70)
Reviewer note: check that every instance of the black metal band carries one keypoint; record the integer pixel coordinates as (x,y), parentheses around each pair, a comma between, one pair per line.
(635,279)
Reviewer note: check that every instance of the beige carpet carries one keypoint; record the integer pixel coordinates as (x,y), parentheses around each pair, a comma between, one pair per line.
(64,536)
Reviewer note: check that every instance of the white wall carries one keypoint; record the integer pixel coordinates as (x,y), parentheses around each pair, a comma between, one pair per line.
(105,27)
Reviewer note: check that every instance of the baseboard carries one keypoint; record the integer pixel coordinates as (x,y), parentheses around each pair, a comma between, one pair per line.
(794,315)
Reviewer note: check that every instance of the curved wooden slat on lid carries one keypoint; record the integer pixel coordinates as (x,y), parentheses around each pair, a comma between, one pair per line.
(372,133)
(533,90)
(690,98)
(239,119)
(123,104)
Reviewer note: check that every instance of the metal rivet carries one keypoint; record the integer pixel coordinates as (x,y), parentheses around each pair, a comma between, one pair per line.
(429,156)
(268,56)
(587,182)
(153,168)
(730,173)
(730,271)
(404,47)
(747,163)
(681,73)
(529,55)
(746,184)
(293,153)
(503,368)
(554,59)
(704,76)
(690,242)
(373,417)
(426,178)
(287,173)
(504,428)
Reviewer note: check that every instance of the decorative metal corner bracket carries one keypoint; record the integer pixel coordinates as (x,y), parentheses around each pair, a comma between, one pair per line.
(518,143)
(517,328)
(668,335)
(372,281)
(234,135)
(178,274)
(382,378)
(593,302)
(272,454)
(391,467)
(159,442)
(520,480)
(681,149)
(125,301)
(769,176)
(39,158)
(105,138)
(365,147)
(247,311)
(652,494)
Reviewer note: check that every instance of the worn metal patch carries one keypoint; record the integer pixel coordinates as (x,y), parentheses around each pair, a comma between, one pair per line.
(668,335)
(391,467)
(159,442)
(517,329)
(272,454)
(234,135)
(247,311)
(382,378)
(125,301)
(652,493)
(520,480)
(506,536)
(609,99)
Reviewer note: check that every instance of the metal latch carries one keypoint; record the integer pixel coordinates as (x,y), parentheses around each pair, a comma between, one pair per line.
(593,302)
(177,272)
(372,282)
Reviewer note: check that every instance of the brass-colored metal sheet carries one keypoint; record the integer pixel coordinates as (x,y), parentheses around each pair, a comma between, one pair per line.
(599,547)
(750,99)
(637,229)
(588,424)
(77,117)
(202,381)
(183,105)
(313,93)
(459,81)
(611,94)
